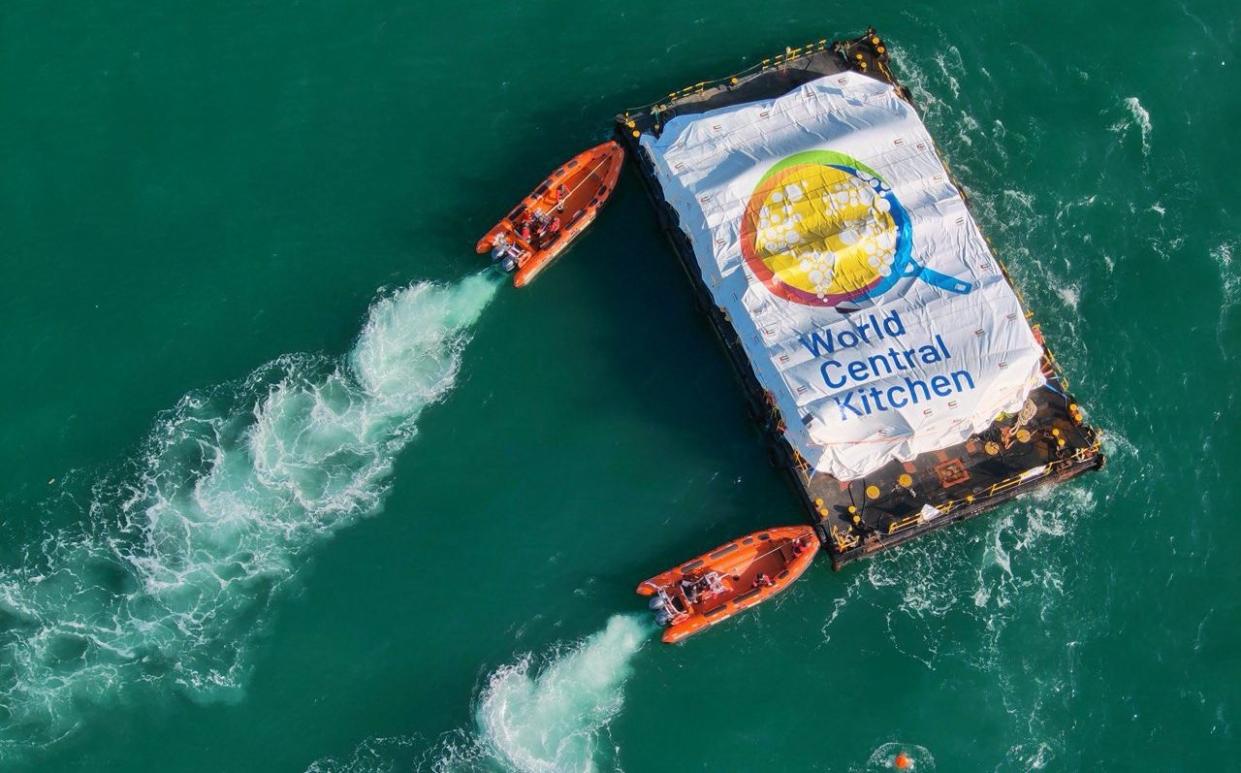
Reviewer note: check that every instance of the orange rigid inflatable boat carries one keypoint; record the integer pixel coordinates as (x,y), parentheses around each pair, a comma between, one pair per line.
(733,577)
(555,213)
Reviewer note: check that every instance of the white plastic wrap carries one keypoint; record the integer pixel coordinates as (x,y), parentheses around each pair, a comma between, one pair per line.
(825,224)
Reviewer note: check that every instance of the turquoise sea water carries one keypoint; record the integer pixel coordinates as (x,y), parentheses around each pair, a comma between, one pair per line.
(288,485)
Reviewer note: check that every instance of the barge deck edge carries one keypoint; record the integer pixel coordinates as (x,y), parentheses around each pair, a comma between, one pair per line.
(901,500)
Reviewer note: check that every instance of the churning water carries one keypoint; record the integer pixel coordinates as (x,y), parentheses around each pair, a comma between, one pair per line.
(169,577)
(539,714)
(180,185)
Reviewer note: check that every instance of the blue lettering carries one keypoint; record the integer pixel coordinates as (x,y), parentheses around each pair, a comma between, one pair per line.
(913,386)
(892,393)
(893,325)
(929,354)
(847,404)
(875,360)
(827,379)
(816,342)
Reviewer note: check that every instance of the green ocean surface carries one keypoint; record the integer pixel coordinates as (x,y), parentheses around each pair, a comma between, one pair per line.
(287,484)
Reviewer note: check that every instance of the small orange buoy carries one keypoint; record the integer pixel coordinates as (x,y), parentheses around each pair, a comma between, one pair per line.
(901,761)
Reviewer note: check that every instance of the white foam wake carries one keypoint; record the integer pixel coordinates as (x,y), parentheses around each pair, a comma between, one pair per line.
(911,757)
(167,579)
(1023,569)
(1139,117)
(1229,282)
(556,718)
(548,713)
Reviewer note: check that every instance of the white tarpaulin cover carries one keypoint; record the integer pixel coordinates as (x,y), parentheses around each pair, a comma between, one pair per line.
(828,229)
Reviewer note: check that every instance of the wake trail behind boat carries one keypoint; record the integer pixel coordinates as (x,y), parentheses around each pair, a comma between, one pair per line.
(539,714)
(557,718)
(166,580)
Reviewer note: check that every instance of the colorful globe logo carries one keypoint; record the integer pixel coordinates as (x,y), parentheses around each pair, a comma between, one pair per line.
(821,228)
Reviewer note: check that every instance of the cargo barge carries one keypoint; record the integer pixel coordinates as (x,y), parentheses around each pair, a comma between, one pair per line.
(892,364)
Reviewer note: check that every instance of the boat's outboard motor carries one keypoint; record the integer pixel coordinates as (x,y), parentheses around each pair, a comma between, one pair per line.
(499,247)
(504,253)
(663,608)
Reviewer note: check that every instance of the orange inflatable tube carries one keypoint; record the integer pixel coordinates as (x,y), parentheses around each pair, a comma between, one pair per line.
(729,579)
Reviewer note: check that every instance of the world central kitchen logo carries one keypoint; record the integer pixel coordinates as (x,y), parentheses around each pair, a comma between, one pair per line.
(821,229)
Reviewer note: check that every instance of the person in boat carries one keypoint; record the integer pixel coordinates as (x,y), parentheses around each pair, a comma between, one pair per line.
(545,234)
(763,581)
(548,232)
(690,589)
(523,231)
(534,224)
(562,193)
